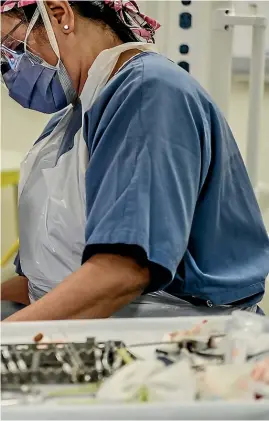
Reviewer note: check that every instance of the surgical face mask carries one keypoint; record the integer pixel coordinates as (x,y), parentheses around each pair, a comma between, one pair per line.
(31,81)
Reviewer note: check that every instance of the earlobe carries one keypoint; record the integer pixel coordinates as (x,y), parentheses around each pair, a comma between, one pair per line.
(61,12)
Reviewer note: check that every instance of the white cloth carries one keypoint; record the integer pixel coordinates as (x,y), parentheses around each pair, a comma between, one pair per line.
(160,383)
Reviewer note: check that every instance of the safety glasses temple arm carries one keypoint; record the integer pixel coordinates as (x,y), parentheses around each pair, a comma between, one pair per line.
(13,30)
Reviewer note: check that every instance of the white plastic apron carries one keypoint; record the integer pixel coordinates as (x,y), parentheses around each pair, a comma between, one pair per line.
(52,209)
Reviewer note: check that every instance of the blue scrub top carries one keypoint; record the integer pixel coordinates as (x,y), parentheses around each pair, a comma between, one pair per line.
(166,184)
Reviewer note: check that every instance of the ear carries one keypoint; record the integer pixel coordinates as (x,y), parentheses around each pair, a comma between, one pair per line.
(61,14)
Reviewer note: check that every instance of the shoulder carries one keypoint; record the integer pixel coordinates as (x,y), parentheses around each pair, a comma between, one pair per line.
(151,78)
(148,91)
(147,77)
(159,70)
(156,71)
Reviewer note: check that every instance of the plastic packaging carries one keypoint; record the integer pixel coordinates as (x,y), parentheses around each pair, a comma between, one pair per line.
(242,327)
(226,382)
(260,372)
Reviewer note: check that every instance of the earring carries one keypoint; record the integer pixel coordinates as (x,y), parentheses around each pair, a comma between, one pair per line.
(66,27)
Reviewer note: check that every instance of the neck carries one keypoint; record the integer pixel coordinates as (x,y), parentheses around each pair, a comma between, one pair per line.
(125,56)
(100,40)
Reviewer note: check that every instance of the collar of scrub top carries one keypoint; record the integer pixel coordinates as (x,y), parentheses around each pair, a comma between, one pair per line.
(143,26)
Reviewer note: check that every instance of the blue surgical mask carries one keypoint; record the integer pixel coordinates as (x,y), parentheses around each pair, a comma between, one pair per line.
(36,86)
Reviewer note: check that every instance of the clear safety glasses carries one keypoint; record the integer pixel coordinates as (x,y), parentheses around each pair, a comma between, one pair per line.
(13,44)
(9,38)
(11,49)
(20,40)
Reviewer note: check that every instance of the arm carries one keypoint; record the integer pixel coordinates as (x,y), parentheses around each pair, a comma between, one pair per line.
(103,285)
(16,290)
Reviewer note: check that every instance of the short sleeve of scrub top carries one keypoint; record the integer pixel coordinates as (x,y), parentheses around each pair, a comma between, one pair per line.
(143,177)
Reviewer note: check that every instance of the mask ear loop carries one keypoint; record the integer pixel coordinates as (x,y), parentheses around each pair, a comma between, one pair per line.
(29,29)
(41,10)
(50,32)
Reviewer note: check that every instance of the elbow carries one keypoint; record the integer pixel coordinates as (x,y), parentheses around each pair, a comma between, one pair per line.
(121,280)
(130,279)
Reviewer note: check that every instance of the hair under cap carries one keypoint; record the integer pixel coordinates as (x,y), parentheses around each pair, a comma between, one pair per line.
(128,11)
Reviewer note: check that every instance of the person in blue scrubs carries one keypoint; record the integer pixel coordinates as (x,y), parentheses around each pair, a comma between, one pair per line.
(135,200)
